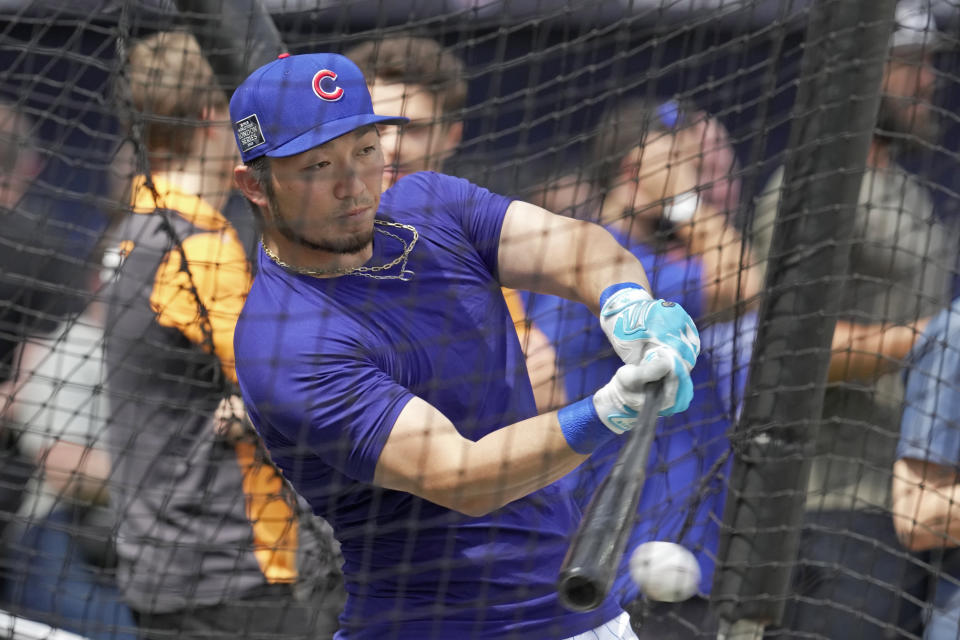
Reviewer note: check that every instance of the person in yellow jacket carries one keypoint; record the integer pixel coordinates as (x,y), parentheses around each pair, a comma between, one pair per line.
(208,533)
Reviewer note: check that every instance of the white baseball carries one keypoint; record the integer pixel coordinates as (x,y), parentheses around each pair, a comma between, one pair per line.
(664,571)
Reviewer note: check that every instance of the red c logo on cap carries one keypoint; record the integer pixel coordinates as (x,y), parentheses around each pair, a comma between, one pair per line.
(329,96)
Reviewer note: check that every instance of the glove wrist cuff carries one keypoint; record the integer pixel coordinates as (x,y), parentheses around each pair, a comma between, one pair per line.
(613,289)
(582,427)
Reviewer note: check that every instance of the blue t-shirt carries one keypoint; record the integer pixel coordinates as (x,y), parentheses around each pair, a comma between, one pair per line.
(326,366)
(930,426)
(729,347)
(682,499)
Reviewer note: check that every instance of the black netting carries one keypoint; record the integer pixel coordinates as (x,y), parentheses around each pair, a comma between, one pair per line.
(784,170)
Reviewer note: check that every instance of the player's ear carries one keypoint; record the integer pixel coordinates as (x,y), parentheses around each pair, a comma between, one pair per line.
(249,185)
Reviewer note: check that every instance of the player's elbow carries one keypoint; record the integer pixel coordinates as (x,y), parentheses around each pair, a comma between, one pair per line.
(452,492)
(474,510)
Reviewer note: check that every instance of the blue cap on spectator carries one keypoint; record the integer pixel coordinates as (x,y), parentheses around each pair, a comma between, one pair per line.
(669,114)
(296,103)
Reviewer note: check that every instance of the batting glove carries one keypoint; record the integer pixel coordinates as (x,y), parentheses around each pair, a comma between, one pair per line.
(620,401)
(634,323)
(616,407)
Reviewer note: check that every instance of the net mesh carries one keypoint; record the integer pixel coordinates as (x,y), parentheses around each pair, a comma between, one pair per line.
(136,496)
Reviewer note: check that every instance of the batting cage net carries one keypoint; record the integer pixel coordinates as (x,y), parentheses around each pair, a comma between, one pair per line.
(292,346)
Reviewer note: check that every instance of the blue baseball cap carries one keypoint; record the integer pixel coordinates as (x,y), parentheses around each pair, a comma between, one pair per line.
(296,103)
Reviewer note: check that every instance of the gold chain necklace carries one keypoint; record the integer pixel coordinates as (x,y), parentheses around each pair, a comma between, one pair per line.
(369,272)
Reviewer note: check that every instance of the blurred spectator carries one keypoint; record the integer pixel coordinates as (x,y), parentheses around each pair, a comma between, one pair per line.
(417,78)
(643,155)
(20,163)
(657,158)
(41,271)
(899,271)
(671,191)
(60,547)
(208,537)
(421,80)
(926,481)
(57,560)
(39,261)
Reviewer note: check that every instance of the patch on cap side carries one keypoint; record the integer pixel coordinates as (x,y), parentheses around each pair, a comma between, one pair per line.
(249,133)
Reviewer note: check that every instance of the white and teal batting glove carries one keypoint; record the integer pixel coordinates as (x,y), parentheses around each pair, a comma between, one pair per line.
(619,402)
(634,322)
(616,407)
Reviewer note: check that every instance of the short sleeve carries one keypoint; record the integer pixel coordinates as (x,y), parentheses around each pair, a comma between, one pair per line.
(481,215)
(930,427)
(339,406)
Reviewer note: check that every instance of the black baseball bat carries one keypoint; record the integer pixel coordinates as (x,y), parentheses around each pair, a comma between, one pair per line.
(237,36)
(591,563)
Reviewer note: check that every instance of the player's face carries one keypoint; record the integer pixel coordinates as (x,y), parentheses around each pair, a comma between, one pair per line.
(423,143)
(326,198)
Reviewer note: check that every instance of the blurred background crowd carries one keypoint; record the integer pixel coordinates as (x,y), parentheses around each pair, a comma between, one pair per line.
(567,104)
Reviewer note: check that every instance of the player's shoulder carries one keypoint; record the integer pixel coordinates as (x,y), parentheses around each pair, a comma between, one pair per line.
(426,187)
(424,199)
(428,180)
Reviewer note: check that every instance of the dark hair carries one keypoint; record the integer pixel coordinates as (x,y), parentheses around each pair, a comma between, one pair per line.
(418,61)
(260,169)
(625,125)
(169,85)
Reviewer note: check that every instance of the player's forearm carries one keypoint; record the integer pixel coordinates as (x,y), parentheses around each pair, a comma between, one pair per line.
(507,465)
(595,260)
(425,454)
(434,462)
(602,262)
(560,256)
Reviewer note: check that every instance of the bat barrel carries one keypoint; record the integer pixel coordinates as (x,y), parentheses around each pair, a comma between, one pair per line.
(591,563)
(580,592)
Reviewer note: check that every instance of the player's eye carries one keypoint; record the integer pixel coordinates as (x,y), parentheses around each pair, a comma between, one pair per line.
(368,150)
(318,165)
